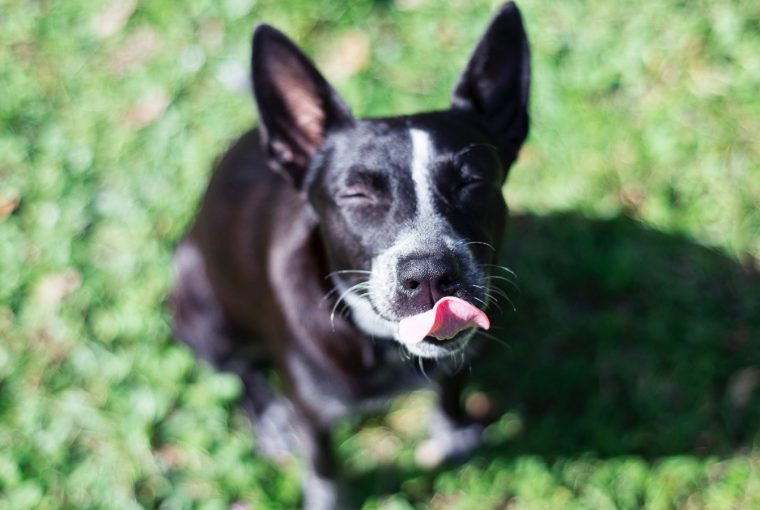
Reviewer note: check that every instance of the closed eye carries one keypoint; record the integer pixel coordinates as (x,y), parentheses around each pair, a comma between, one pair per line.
(468,182)
(356,195)
(364,187)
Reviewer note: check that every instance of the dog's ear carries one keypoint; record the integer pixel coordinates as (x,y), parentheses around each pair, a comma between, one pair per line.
(296,104)
(496,82)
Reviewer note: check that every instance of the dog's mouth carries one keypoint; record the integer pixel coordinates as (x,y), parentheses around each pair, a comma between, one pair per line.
(444,329)
(449,317)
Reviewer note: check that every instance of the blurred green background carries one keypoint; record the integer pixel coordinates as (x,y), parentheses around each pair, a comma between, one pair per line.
(628,376)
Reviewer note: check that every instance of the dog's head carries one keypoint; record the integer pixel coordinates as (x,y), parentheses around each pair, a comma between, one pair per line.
(411,209)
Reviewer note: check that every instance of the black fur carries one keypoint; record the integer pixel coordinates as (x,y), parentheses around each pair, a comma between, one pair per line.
(314,192)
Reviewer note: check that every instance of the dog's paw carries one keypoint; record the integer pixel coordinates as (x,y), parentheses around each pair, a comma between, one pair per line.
(276,437)
(325,494)
(449,442)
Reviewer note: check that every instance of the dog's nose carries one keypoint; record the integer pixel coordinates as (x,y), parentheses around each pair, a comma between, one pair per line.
(425,280)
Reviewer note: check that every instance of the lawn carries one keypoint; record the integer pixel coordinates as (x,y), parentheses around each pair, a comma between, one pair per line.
(627,377)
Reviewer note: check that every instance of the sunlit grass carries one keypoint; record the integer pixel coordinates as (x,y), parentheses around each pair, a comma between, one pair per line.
(632,375)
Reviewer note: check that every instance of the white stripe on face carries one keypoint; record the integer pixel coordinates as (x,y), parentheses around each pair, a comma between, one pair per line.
(428,234)
(422,151)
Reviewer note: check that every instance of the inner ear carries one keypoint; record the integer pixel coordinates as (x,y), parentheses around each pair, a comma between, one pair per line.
(301,104)
(296,104)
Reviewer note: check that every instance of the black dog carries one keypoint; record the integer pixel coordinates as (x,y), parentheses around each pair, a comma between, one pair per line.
(332,249)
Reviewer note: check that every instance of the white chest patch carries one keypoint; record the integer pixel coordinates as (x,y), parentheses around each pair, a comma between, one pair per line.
(422,155)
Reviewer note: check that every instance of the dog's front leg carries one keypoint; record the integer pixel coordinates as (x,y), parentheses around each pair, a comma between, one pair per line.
(314,414)
(453,432)
(321,489)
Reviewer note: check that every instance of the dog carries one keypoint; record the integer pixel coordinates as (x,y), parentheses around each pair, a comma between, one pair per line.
(341,253)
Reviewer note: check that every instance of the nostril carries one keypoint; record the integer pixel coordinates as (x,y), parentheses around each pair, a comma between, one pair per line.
(429,277)
(411,284)
(447,284)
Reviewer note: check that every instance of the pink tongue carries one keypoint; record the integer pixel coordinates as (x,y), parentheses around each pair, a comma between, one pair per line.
(449,316)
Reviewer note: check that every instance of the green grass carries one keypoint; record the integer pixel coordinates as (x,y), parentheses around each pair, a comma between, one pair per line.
(629,376)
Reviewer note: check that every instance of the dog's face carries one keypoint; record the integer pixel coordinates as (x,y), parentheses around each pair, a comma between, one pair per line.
(417,208)
(410,208)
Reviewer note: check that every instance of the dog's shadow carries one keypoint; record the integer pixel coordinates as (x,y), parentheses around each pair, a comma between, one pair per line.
(625,341)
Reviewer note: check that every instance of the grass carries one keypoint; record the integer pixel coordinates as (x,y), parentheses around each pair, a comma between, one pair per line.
(631,372)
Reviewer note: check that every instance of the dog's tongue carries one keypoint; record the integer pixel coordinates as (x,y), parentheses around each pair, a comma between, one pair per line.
(449,316)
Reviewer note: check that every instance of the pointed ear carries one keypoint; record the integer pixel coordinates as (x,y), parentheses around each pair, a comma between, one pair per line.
(496,82)
(296,104)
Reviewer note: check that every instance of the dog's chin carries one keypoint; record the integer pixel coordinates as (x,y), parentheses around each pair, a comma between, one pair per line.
(432,348)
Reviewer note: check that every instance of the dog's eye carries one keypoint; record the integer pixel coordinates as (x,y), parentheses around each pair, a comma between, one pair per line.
(467,183)
(356,194)
(363,187)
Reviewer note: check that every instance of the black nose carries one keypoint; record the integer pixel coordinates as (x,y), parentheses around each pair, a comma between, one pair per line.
(423,280)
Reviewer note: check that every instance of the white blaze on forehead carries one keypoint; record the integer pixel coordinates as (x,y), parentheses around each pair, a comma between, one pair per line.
(422,154)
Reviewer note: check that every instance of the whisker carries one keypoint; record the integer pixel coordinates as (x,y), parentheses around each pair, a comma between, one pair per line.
(511,303)
(503,278)
(335,289)
(348,271)
(482,302)
(328,294)
(457,359)
(495,291)
(332,314)
(490,299)
(495,302)
(422,369)
(495,339)
(482,243)
(503,268)
(360,285)
(465,242)
(498,292)
(488,302)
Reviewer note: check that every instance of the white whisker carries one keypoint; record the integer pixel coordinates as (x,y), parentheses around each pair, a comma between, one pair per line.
(503,268)
(503,278)
(495,339)
(328,294)
(495,302)
(422,369)
(511,303)
(466,243)
(350,290)
(347,271)
(498,292)
(482,243)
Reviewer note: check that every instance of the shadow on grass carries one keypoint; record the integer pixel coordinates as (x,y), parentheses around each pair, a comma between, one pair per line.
(627,341)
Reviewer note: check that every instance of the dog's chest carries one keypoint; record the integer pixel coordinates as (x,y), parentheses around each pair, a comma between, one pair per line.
(391,373)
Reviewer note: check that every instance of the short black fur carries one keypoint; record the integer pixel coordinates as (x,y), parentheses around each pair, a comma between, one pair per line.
(313,202)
